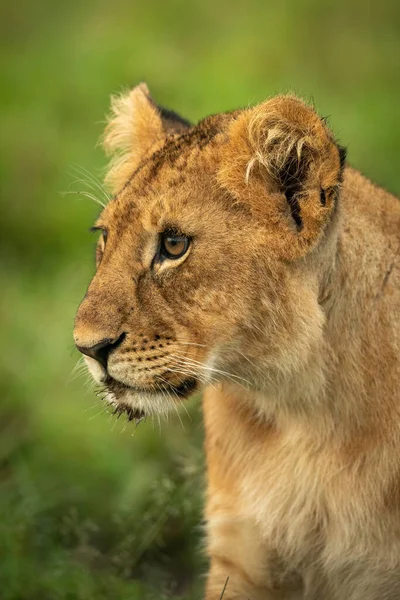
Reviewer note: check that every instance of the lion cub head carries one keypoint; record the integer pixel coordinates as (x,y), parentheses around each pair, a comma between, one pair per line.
(206,252)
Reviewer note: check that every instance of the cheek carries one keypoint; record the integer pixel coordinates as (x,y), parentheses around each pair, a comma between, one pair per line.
(95,369)
(212,314)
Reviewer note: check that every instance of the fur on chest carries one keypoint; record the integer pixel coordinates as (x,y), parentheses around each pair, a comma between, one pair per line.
(307,499)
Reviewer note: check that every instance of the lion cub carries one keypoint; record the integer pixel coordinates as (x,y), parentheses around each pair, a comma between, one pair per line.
(241,255)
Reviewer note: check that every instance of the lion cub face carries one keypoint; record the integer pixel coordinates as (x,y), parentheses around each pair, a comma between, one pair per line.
(200,252)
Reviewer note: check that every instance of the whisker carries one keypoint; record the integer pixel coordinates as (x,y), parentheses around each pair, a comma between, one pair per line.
(80,370)
(191,366)
(95,405)
(103,409)
(184,342)
(184,370)
(163,392)
(208,380)
(86,194)
(92,178)
(78,363)
(212,369)
(179,400)
(88,185)
(254,366)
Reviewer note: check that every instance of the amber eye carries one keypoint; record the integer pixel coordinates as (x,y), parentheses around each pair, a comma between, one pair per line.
(173,245)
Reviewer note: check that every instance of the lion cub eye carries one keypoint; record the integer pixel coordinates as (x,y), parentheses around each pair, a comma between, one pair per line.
(173,245)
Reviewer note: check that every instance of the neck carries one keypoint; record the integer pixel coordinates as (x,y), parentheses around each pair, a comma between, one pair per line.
(329,392)
(330,364)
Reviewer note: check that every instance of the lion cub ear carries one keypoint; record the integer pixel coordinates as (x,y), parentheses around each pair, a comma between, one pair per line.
(283,160)
(136,127)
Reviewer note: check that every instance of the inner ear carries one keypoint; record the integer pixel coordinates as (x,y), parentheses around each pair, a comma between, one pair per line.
(291,177)
(172,122)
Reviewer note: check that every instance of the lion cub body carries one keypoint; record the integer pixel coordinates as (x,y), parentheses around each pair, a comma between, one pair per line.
(285,307)
(310,503)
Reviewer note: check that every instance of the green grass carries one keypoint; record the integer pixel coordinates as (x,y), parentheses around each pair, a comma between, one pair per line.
(90,508)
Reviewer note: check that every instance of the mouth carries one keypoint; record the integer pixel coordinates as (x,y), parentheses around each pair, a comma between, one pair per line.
(183,390)
(124,404)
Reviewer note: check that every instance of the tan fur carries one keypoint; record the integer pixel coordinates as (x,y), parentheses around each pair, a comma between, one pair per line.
(286,308)
(134,127)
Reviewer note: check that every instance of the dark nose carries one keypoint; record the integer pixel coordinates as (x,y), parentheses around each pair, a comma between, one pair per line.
(101,350)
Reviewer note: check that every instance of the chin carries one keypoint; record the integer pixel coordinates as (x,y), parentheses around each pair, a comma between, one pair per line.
(137,403)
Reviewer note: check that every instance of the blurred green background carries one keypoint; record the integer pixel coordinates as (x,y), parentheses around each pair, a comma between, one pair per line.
(91,508)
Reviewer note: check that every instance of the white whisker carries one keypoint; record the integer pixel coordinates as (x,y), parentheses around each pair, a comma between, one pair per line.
(183,370)
(91,188)
(82,171)
(86,194)
(165,391)
(104,409)
(200,365)
(184,342)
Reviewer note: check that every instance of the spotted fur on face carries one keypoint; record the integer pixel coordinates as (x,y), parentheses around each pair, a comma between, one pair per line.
(243,193)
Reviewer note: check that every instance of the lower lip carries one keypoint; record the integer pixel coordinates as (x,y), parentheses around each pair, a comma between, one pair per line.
(184,390)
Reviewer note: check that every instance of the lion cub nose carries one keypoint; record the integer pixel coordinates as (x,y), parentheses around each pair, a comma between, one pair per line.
(102,349)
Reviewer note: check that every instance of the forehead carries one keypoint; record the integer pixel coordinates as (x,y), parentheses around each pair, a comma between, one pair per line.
(182,152)
(174,181)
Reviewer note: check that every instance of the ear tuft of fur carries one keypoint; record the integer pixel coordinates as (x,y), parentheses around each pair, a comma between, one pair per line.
(120,127)
(134,126)
(286,136)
